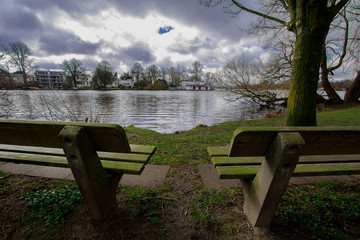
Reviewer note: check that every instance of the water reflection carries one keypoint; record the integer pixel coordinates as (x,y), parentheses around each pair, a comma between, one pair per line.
(162,111)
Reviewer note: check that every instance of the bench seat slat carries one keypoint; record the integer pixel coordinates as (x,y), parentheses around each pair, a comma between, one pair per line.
(234,161)
(218,151)
(61,161)
(142,149)
(301,170)
(141,156)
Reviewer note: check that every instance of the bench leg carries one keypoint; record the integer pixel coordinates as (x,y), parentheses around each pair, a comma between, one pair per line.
(97,188)
(263,194)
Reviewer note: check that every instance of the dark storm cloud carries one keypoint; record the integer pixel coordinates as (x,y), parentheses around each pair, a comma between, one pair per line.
(76,9)
(18,23)
(61,42)
(139,52)
(192,46)
(48,65)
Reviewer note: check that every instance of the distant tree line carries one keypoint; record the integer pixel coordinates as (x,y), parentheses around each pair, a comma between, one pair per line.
(18,56)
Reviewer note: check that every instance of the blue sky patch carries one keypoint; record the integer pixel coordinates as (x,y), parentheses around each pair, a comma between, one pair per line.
(165,29)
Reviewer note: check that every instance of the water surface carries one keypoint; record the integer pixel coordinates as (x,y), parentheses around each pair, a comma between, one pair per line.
(162,111)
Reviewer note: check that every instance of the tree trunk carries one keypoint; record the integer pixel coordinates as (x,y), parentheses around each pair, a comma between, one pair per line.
(353,93)
(330,91)
(24,78)
(311,28)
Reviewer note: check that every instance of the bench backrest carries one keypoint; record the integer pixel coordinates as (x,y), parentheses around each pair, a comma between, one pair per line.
(105,137)
(318,140)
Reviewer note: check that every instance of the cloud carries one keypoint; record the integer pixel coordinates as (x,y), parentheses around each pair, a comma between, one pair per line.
(62,42)
(123,32)
(139,52)
(18,23)
(166,29)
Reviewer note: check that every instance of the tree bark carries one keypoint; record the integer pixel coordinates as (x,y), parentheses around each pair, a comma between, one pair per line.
(311,24)
(353,93)
(330,91)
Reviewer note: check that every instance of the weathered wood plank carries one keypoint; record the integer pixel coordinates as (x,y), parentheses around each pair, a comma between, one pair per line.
(301,170)
(105,137)
(218,151)
(233,161)
(142,149)
(61,161)
(126,157)
(256,141)
(236,172)
(326,169)
(31,149)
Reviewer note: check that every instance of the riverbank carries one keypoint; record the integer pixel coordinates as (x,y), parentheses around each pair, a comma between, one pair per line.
(182,208)
(190,146)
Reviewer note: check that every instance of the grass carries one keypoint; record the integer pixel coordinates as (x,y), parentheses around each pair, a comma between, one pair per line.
(190,146)
(206,201)
(325,210)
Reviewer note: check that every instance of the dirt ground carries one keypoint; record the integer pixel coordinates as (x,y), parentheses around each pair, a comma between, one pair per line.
(167,213)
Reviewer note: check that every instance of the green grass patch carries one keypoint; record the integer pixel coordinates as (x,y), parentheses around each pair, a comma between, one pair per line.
(52,206)
(324,210)
(345,117)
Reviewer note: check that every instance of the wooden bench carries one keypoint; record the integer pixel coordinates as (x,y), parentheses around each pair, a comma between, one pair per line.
(264,159)
(98,155)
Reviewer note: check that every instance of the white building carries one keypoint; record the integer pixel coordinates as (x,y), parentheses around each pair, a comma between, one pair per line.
(194,85)
(85,80)
(127,82)
(50,78)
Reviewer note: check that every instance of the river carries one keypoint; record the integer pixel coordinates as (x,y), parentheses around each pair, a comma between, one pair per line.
(161,111)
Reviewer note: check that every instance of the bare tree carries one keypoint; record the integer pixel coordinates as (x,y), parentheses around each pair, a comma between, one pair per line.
(153,73)
(209,78)
(353,93)
(104,73)
(3,52)
(74,69)
(19,55)
(197,71)
(136,71)
(240,79)
(309,21)
(175,76)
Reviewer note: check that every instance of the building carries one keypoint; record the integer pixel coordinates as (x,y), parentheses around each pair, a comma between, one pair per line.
(50,78)
(195,85)
(5,79)
(85,80)
(127,82)
(17,79)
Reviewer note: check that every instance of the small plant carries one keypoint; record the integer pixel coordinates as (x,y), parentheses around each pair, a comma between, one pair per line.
(52,205)
(325,209)
(4,174)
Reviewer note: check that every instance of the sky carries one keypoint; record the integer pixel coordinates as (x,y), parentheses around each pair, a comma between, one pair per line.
(123,32)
